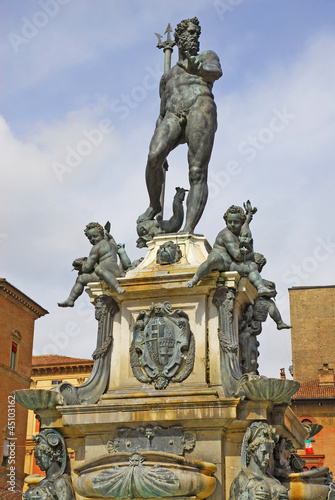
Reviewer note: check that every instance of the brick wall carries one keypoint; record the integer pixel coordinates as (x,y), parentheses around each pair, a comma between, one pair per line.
(17,313)
(323,412)
(313,330)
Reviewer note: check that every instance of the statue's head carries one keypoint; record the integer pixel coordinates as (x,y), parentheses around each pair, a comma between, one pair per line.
(258,444)
(136,459)
(187,35)
(168,253)
(50,448)
(146,231)
(94,232)
(283,451)
(235,218)
(103,304)
(99,305)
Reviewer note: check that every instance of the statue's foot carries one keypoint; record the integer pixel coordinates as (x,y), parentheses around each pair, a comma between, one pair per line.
(283,326)
(66,303)
(120,290)
(149,214)
(263,291)
(191,282)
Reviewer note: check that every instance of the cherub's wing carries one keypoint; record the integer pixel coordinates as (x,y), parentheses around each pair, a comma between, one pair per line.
(108,226)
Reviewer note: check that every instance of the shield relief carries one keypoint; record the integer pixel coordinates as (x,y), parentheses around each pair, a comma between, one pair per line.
(163,346)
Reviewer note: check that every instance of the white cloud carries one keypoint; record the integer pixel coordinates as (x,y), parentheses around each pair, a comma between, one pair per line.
(291,180)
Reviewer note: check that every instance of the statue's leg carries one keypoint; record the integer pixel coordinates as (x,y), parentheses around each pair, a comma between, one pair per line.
(276,316)
(200,131)
(214,262)
(256,280)
(77,289)
(109,278)
(166,137)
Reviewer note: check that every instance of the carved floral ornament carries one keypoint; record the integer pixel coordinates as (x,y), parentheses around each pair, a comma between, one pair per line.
(163,346)
(152,438)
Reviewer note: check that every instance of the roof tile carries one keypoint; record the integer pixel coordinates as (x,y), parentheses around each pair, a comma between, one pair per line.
(56,359)
(313,390)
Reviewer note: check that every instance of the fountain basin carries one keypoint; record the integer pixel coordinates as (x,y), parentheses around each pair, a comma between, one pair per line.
(309,485)
(145,475)
(260,388)
(38,399)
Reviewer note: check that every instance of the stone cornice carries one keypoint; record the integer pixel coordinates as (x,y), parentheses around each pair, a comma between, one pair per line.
(75,368)
(14,294)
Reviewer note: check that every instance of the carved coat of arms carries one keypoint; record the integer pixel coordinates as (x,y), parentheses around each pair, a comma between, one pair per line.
(163,346)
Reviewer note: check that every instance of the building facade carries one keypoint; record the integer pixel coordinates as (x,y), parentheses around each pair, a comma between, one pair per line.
(47,371)
(313,330)
(313,354)
(17,317)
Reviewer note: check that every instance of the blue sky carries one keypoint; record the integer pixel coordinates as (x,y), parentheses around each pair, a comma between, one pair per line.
(68,65)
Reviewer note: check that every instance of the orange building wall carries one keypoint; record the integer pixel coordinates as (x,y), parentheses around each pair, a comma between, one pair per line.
(313,355)
(324,413)
(15,317)
(17,312)
(46,369)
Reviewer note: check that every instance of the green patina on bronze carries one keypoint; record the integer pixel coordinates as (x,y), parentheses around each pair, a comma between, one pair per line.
(136,481)
(187,115)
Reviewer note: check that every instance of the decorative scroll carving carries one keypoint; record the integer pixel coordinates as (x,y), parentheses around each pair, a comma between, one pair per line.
(91,390)
(152,438)
(230,370)
(163,347)
(189,362)
(249,328)
(136,481)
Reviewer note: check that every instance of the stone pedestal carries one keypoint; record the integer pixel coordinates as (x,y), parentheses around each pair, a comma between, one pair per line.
(153,283)
(197,406)
(218,425)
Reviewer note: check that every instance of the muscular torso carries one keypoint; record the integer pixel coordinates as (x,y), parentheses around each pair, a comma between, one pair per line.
(249,485)
(227,242)
(224,238)
(105,250)
(182,89)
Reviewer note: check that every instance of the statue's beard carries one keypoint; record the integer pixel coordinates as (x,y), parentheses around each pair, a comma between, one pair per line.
(190,45)
(262,464)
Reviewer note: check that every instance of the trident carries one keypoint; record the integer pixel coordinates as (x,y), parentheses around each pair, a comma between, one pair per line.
(167,47)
